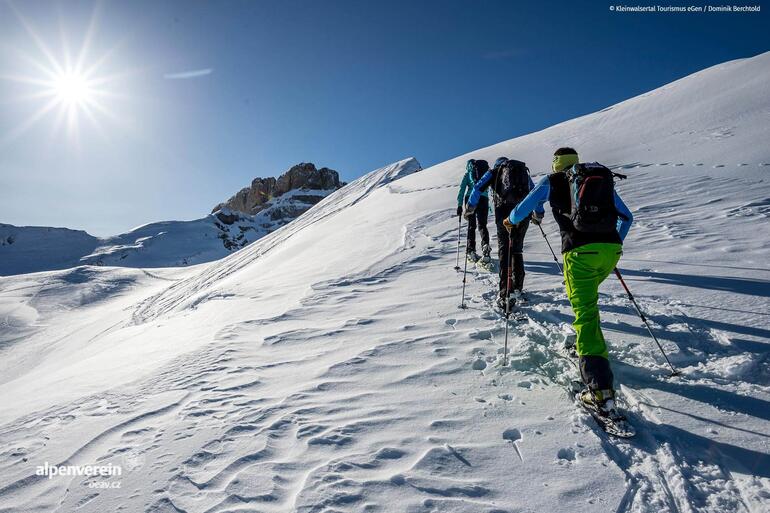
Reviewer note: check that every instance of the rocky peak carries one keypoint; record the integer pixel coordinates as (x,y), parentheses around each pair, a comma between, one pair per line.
(303,176)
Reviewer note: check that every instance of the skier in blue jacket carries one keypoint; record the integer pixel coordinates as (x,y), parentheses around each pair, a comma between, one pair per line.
(510,182)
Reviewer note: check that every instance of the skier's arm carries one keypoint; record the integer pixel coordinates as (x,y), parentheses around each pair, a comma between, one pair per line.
(479,188)
(533,201)
(463,187)
(539,208)
(625,217)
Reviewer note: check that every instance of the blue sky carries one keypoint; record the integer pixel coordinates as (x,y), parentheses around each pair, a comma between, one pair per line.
(197,98)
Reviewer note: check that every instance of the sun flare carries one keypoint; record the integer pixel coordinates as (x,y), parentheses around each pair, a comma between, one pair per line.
(69,87)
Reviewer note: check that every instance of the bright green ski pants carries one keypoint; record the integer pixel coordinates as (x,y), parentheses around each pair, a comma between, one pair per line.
(585,268)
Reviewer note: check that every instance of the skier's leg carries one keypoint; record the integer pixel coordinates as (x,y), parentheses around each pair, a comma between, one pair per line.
(585,268)
(472,234)
(482,211)
(518,233)
(502,248)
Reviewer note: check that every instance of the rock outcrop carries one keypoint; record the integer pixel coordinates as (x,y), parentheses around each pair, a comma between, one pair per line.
(304,176)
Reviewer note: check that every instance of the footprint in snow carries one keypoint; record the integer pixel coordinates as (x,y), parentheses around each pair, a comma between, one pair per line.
(513,435)
(480,335)
(479,364)
(566,454)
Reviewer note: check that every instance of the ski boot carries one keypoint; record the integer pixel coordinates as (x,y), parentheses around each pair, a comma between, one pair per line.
(601,405)
(485,262)
(472,256)
(600,401)
(520,296)
(486,254)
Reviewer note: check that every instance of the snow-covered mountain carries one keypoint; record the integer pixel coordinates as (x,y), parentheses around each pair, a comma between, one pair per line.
(326,367)
(231,226)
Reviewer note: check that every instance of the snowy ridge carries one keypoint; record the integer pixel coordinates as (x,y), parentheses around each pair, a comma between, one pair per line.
(189,291)
(163,244)
(33,248)
(327,368)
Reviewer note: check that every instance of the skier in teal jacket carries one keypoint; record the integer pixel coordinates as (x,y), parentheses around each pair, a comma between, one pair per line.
(474,170)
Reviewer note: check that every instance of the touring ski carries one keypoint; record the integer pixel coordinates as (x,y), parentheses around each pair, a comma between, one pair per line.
(612,422)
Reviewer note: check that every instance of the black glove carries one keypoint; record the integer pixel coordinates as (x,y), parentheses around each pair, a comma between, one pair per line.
(459,210)
(537,218)
(469,211)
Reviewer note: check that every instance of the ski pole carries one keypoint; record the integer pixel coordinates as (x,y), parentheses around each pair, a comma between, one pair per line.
(459,230)
(674,372)
(508,297)
(549,247)
(465,272)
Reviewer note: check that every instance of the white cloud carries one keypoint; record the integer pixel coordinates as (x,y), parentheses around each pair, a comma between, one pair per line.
(188,74)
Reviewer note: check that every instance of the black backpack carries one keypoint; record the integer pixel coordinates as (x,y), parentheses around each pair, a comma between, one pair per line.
(479,168)
(592,198)
(512,183)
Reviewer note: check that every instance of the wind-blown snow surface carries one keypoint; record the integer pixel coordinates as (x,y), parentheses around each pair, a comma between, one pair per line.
(327,367)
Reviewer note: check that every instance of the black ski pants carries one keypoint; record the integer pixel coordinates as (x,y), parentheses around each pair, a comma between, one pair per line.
(517,247)
(479,219)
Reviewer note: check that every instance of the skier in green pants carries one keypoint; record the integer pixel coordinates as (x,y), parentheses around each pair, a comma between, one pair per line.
(593,221)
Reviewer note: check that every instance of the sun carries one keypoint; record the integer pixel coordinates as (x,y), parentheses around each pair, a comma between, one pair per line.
(73,89)
(69,88)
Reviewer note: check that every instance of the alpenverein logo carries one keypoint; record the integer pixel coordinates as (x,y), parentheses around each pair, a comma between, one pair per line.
(50,471)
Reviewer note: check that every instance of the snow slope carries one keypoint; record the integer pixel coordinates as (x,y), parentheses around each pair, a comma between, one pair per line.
(26,249)
(326,367)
